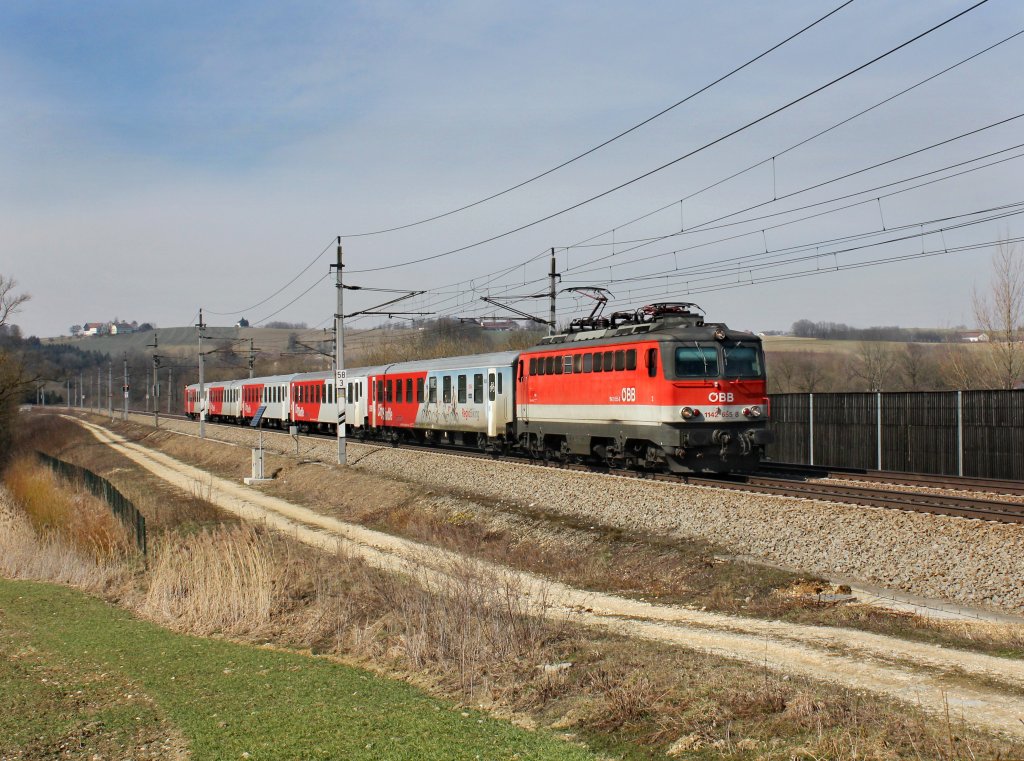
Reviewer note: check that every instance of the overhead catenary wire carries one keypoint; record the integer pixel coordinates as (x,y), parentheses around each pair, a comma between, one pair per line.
(279,290)
(687,155)
(871,199)
(702,229)
(486,280)
(609,141)
(798,144)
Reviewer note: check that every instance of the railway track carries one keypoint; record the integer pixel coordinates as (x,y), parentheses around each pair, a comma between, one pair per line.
(806,482)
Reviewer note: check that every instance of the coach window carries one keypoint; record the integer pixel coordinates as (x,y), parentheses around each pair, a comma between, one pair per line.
(478,388)
(491,386)
(620,360)
(432,390)
(588,363)
(389,391)
(533,365)
(380,391)
(398,390)
(446,389)
(408,389)
(577,363)
(462,389)
(419,390)
(499,383)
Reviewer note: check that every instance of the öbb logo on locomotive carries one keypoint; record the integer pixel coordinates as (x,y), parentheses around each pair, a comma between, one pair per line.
(631,390)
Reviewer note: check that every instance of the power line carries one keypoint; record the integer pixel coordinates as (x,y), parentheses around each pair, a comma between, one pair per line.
(695,151)
(283,287)
(314,285)
(804,141)
(609,141)
(711,226)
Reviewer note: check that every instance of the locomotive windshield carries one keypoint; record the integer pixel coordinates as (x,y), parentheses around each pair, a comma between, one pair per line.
(742,361)
(696,361)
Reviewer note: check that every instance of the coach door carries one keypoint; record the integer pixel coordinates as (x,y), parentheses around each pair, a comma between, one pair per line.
(491,405)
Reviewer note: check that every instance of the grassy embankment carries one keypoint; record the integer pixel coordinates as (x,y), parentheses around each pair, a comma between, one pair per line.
(83,677)
(472,640)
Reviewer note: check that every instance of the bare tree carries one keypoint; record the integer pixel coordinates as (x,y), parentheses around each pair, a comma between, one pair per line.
(10,302)
(918,368)
(1000,313)
(874,364)
(14,379)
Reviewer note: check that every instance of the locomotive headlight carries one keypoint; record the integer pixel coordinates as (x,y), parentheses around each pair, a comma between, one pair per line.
(755,412)
(719,334)
(686,413)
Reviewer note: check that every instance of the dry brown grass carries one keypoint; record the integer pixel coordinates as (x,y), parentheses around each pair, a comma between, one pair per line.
(66,511)
(25,554)
(219,580)
(472,636)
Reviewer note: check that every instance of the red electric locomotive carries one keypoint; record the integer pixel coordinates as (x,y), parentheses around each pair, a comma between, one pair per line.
(656,388)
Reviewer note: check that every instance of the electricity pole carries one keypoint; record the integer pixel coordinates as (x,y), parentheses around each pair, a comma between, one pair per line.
(110,389)
(81,390)
(202,382)
(552,293)
(252,360)
(339,360)
(156,382)
(68,397)
(99,389)
(170,388)
(124,413)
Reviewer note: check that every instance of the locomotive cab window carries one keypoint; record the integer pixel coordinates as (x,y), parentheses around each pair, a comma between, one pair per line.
(742,361)
(696,361)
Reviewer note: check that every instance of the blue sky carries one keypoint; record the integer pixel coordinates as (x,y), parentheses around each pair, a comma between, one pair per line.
(155,158)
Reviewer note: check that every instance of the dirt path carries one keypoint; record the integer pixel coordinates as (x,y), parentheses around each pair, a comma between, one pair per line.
(928,676)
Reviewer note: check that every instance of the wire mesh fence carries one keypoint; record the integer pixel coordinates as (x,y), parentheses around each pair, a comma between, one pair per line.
(120,505)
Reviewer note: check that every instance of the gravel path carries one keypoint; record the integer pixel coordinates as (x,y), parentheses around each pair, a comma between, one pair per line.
(917,673)
(967,561)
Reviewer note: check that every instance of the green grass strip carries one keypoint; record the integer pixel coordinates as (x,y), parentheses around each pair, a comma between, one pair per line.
(227,699)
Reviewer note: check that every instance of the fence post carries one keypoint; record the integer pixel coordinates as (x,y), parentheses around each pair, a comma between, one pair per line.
(878,416)
(810,427)
(960,433)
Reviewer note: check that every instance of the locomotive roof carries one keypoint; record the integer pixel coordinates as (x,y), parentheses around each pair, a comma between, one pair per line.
(654,331)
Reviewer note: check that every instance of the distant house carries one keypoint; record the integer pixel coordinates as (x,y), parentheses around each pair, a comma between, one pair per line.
(95,329)
(973,337)
(121,328)
(498,325)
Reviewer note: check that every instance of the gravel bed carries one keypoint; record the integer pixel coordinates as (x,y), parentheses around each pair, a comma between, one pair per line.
(969,561)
